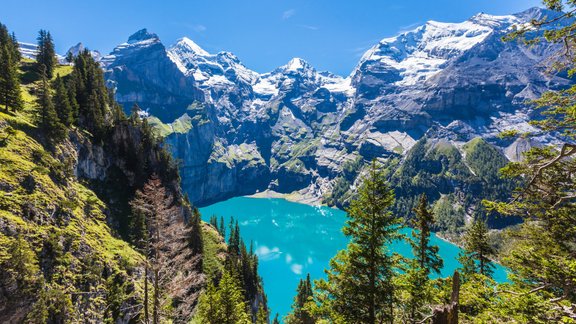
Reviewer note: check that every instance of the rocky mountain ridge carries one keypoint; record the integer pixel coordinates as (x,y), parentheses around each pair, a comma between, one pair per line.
(237,132)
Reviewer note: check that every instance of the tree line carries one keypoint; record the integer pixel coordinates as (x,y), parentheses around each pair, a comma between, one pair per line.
(237,295)
(368,283)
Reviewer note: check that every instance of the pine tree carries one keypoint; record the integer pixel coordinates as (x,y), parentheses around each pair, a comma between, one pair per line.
(135,114)
(261,315)
(22,264)
(118,114)
(360,286)
(304,294)
(224,304)
(209,308)
(427,256)
(10,95)
(91,95)
(222,228)
(46,57)
(195,224)
(214,221)
(475,256)
(542,253)
(16,55)
(12,42)
(70,85)
(276,320)
(69,57)
(62,103)
(234,237)
(151,210)
(47,116)
(416,281)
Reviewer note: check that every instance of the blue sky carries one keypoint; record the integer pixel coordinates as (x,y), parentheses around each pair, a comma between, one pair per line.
(264,34)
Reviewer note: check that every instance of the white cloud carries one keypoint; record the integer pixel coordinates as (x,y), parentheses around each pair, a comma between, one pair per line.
(409,27)
(309,27)
(288,258)
(199,28)
(296,268)
(288,14)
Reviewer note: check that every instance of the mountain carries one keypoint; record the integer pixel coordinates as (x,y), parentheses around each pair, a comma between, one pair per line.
(296,129)
(30,51)
(78,48)
(141,72)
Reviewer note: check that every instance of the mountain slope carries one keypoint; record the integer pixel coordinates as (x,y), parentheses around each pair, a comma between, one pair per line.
(65,214)
(294,128)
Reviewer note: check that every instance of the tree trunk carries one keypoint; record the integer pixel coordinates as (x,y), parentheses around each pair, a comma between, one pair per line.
(156,299)
(146,319)
(448,314)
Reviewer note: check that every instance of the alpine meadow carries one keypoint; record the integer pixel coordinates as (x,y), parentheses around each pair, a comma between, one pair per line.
(434,183)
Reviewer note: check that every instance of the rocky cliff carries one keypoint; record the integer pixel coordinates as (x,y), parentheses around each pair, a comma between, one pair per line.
(237,132)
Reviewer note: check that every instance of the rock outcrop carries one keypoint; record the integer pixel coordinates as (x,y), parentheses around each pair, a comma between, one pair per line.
(237,132)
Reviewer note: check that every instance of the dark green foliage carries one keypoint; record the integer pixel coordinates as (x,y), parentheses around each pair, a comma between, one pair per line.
(20,266)
(214,221)
(360,286)
(222,228)
(116,287)
(118,114)
(65,111)
(449,215)
(261,315)
(48,119)
(486,161)
(304,294)
(457,182)
(341,194)
(242,264)
(10,96)
(427,256)
(195,224)
(91,94)
(477,250)
(135,115)
(223,304)
(417,289)
(46,57)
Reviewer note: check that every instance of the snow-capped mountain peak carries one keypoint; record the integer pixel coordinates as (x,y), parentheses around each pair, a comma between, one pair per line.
(142,36)
(209,70)
(494,21)
(79,48)
(30,51)
(297,64)
(416,55)
(140,40)
(190,45)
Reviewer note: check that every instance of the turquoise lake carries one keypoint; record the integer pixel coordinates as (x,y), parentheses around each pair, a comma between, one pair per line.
(293,239)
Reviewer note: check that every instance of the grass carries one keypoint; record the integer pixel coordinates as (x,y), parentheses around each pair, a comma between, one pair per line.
(181,125)
(214,251)
(37,198)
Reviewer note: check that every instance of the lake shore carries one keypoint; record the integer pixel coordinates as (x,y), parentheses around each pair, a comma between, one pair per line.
(295,196)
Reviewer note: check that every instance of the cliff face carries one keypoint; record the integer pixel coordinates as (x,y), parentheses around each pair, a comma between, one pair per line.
(60,260)
(65,224)
(141,72)
(295,128)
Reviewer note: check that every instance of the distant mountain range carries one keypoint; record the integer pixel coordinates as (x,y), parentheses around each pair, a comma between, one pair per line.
(236,131)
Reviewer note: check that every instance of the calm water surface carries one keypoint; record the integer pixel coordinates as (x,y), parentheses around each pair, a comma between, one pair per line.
(293,239)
